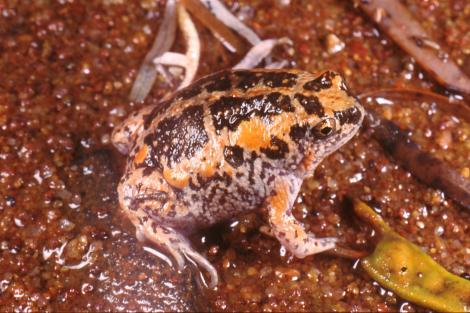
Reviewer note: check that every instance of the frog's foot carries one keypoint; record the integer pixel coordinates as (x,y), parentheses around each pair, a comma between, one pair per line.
(202,262)
(178,246)
(312,245)
(286,228)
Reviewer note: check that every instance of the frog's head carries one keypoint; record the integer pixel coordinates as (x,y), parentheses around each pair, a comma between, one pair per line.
(332,117)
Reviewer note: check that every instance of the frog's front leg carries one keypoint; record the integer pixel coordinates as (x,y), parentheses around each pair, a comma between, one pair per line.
(177,245)
(284,225)
(125,134)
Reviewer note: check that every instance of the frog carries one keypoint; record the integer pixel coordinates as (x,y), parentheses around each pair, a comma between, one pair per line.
(230,143)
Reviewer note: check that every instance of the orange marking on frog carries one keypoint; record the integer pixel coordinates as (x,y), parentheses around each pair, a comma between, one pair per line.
(207,169)
(334,98)
(253,134)
(178,179)
(256,134)
(207,166)
(141,155)
(279,201)
(283,124)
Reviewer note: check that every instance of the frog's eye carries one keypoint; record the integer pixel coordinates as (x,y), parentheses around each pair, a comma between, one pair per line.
(325,128)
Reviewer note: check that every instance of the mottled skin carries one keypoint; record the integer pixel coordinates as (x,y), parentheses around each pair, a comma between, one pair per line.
(229,143)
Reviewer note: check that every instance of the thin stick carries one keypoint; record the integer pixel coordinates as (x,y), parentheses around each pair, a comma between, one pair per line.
(219,30)
(421,164)
(395,20)
(455,107)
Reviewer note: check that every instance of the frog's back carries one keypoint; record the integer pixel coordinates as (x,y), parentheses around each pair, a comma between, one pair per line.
(237,85)
(200,121)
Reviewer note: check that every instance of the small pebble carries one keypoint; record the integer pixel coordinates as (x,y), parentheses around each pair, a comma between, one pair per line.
(334,44)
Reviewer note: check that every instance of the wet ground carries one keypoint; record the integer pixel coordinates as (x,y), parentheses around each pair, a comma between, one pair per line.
(66,71)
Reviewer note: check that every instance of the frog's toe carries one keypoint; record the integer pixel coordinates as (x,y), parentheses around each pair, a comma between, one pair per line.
(203,263)
(166,238)
(315,245)
(178,257)
(160,255)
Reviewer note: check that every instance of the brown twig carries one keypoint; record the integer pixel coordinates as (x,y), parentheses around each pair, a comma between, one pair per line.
(395,20)
(421,164)
(347,253)
(457,108)
(212,23)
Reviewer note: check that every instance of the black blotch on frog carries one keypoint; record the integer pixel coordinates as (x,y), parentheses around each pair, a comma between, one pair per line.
(311,104)
(189,92)
(324,81)
(349,116)
(297,133)
(230,112)
(178,137)
(234,155)
(277,150)
(221,83)
(248,79)
(159,108)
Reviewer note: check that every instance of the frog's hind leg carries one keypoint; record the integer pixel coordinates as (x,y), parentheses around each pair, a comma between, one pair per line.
(178,246)
(151,206)
(284,225)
